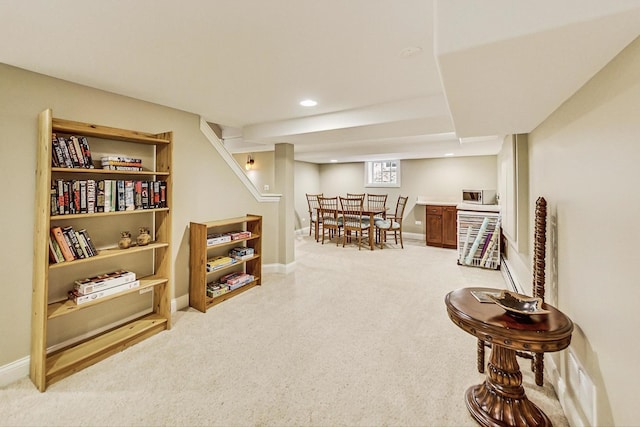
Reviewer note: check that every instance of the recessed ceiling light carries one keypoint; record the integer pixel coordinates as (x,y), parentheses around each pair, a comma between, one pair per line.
(333,161)
(308,103)
(410,51)
(448,154)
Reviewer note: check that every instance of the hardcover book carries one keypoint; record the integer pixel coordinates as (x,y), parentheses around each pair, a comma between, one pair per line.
(83,299)
(104,281)
(57,234)
(214,239)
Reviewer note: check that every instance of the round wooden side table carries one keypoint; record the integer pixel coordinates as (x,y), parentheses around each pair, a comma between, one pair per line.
(501,399)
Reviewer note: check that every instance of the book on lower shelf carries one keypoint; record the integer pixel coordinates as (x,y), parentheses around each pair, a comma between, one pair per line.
(217,238)
(216,289)
(241,253)
(237,279)
(79,298)
(104,281)
(218,262)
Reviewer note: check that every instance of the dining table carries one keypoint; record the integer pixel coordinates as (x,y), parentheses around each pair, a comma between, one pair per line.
(370,211)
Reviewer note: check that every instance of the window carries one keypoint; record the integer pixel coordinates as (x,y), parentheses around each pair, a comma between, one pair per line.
(383,173)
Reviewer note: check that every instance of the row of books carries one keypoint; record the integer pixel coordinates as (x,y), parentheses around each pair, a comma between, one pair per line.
(109,195)
(228,283)
(93,288)
(66,244)
(74,152)
(71,152)
(217,238)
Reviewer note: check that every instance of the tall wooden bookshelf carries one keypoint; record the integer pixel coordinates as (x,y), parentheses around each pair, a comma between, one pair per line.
(200,252)
(102,331)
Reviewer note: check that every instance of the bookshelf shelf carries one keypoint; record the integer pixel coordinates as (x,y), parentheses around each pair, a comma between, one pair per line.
(81,347)
(217,300)
(102,214)
(200,252)
(62,308)
(65,362)
(109,253)
(107,172)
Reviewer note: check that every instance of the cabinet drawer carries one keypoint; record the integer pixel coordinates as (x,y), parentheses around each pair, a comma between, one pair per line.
(434,210)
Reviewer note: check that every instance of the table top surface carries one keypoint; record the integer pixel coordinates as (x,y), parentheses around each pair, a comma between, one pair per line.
(489,322)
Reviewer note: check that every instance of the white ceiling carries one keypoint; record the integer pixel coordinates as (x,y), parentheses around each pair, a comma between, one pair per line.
(486,68)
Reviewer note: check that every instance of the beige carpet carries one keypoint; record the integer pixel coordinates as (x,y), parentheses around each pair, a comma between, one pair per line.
(351,338)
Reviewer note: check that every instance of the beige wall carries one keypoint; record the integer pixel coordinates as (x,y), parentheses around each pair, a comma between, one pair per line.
(584,160)
(437,179)
(262,172)
(307,180)
(203,183)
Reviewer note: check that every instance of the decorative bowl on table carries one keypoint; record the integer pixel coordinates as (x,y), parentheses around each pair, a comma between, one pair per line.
(519,305)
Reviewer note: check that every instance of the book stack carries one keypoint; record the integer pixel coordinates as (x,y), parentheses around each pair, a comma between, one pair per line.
(93,288)
(241,253)
(66,244)
(217,238)
(121,163)
(219,262)
(109,195)
(236,280)
(216,289)
(71,152)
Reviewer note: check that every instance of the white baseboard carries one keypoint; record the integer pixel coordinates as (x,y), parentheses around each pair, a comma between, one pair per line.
(14,371)
(279,268)
(413,236)
(179,303)
(567,400)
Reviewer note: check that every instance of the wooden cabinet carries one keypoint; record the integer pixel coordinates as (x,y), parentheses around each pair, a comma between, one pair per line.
(67,337)
(201,252)
(440,226)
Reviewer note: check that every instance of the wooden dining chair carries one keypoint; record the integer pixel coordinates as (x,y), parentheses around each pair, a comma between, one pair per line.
(353,224)
(377,201)
(314,218)
(392,223)
(356,195)
(331,220)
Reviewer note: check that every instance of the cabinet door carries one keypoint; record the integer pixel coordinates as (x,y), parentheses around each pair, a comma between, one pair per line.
(449,227)
(434,229)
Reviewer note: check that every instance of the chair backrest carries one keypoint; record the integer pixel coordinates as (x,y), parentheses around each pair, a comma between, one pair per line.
(356,195)
(328,207)
(376,200)
(402,202)
(312,201)
(351,212)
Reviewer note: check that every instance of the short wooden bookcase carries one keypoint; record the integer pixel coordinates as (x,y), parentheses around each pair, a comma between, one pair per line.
(200,252)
